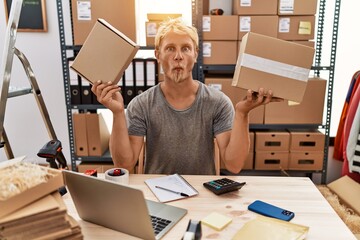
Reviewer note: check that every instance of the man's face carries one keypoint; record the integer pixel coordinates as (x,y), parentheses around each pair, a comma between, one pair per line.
(177,55)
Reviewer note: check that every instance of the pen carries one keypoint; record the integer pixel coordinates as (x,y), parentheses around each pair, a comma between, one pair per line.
(169,190)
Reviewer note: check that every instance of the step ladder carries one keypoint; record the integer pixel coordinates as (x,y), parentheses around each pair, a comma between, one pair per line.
(8,92)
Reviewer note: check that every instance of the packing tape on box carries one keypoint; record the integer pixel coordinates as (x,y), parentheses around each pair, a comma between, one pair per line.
(122,179)
(274,67)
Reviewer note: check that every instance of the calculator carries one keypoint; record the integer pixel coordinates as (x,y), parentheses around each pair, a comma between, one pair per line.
(223,185)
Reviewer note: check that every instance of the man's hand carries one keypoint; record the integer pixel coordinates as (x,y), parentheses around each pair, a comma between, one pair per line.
(255,99)
(108,95)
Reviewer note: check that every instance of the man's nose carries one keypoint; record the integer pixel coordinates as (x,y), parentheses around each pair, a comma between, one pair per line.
(178,55)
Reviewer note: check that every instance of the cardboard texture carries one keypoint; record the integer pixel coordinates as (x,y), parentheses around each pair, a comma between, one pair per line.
(219,52)
(274,64)
(259,7)
(30,195)
(272,141)
(309,111)
(80,135)
(105,54)
(119,13)
(306,160)
(276,160)
(100,168)
(220,27)
(98,134)
(296,27)
(348,191)
(256,116)
(297,7)
(306,140)
(266,25)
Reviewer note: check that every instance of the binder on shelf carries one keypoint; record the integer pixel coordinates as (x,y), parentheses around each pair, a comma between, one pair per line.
(129,87)
(140,77)
(97,133)
(86,94)
(74,87)
(105,54)
(80,134)
(151,72)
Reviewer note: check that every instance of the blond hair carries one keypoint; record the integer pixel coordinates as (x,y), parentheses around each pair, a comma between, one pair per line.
(178,26)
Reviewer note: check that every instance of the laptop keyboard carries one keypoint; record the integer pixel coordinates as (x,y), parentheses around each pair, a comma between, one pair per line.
(159,224)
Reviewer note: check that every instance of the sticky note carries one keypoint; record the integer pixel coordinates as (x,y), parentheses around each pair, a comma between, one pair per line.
(216,221)
(304,28)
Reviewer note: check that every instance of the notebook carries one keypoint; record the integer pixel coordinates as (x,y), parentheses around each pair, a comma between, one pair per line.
(120,207)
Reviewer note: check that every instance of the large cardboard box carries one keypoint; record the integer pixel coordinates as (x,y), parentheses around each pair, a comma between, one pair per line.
(274,64)
(266,25)
(348,191)
(306,140)
(306,160)
(272,141)
(309,111)
(220,27)
(98,135)
(53,183)
(219,52)
(255,7)
(119,13)
(276,160)
(105,54)
(296,27)
(297,7)
(256,116)
(80,134)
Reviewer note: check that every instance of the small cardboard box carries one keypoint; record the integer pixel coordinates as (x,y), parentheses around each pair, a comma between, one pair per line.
(309,111)
(80,134)
(99,167)
(105,54)
(276,160)
(305,140)
(274,64)
(264,7)
(119,13)
(348,191)
(256,116)
(297,7)
(98,135)
(296,27)
(31,194)
(306,160)
(219,52)
(266,25)
(220,27)
(272,141)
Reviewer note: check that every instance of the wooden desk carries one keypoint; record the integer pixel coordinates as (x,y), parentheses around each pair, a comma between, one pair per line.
(298,194)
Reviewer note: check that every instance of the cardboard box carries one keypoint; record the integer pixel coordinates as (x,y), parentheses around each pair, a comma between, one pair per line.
(152,24)
(276,160)
(219,52)
(272,141)
(266,25)
(256,116)
(119,13)
(274,64)
(306,160)
(225,5)
(309,111)
(105,54)
(80,134)
(22,199)
(297,7)
(98,135)
(220,27)
(255,7)
(99,167)
(308,43)
(348,191)
(296,27)
(305,140)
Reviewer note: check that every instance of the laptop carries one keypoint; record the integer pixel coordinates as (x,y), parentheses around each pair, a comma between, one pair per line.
(119,207)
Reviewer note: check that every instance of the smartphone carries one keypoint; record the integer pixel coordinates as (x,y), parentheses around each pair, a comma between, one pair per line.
(269,210)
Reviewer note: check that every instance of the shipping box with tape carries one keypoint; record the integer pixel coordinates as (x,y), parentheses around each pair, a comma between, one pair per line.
(274,64)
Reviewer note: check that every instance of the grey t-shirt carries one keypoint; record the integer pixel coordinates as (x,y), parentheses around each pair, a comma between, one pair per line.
(180,141)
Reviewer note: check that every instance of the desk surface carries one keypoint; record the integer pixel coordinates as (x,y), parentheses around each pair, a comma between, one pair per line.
(294,193)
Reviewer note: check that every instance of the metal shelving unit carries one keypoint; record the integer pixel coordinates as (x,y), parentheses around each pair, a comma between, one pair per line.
(200,69)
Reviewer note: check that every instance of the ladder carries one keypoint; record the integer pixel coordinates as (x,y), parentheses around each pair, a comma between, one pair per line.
(6,92)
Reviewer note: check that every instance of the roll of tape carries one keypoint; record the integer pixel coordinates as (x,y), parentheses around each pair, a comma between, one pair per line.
(122,178)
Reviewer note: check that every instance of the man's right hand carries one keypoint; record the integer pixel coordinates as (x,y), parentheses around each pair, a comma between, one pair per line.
(108,95)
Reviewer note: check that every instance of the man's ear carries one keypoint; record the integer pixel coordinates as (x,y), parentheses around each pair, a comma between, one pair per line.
(196,55)
(156,51)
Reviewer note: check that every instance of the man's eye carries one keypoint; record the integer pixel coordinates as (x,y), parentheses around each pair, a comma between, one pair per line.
(186,49)
(170,49)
